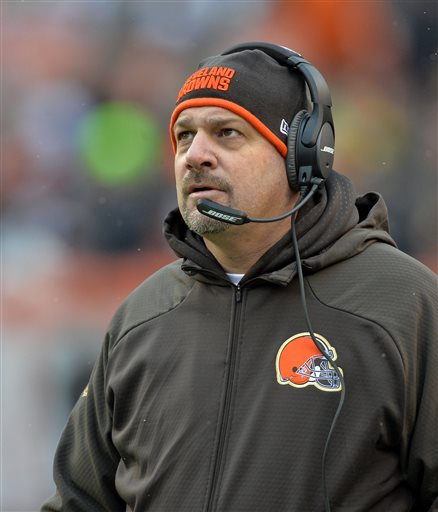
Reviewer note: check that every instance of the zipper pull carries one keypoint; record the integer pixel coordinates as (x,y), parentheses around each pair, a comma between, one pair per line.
(238,293)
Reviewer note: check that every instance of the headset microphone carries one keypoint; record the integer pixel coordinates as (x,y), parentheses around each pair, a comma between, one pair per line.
(238,217)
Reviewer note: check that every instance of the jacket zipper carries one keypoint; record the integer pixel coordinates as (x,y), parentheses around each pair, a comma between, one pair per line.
(226,409)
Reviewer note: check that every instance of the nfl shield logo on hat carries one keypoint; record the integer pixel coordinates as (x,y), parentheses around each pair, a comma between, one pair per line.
(284,127)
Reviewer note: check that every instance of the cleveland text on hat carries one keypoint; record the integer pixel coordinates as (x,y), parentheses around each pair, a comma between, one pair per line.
(217,77)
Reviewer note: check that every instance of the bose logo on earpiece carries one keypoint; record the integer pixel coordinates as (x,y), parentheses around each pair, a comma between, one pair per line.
(328,149)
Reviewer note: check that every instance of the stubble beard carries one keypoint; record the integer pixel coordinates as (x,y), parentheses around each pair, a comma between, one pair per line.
(200,223)
(195,220)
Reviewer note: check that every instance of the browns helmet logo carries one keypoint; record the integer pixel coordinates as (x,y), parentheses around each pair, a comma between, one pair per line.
(300,363)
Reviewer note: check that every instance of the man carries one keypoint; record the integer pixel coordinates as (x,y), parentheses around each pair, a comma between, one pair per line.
(212,391)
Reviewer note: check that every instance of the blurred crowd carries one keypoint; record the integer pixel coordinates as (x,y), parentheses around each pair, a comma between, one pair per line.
(87,89)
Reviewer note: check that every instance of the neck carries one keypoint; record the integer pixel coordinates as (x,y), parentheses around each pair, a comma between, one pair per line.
(240,247)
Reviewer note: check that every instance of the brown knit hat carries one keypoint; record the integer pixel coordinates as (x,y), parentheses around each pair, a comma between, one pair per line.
(251,84)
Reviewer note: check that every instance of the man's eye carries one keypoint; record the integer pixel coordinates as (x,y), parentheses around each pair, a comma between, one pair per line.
(183,136)
(228,132)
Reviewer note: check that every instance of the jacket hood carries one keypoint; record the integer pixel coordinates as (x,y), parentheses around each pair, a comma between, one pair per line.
(334,226)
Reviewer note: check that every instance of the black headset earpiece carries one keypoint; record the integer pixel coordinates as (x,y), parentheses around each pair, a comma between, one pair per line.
(296,126)
(311,135)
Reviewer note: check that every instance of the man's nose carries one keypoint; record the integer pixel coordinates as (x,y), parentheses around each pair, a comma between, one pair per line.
(200,154)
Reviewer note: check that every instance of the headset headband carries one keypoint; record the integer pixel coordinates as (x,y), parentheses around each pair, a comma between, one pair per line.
(319,91)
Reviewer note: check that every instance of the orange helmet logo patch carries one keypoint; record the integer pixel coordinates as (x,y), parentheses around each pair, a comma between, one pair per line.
(300,363)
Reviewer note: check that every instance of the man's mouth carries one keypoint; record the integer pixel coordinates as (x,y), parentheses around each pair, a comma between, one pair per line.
(202,190)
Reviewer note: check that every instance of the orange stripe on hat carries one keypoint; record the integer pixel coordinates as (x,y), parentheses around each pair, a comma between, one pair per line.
(233,107)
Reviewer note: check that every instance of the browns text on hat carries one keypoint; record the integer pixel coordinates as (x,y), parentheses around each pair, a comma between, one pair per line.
(251,84)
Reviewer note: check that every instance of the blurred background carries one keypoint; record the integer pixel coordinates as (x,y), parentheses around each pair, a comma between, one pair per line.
(87,88)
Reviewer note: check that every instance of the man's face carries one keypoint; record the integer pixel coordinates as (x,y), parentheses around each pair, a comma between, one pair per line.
(221,157)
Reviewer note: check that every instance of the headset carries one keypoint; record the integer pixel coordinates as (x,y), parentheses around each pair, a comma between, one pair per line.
(311,136)
(309,161)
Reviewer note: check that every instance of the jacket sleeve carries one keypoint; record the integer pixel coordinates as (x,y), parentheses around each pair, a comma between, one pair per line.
(86,460)
(422,382)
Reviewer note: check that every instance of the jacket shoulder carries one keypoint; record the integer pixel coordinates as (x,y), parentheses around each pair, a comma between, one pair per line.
(156,295)
(383,285)
(381,267)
